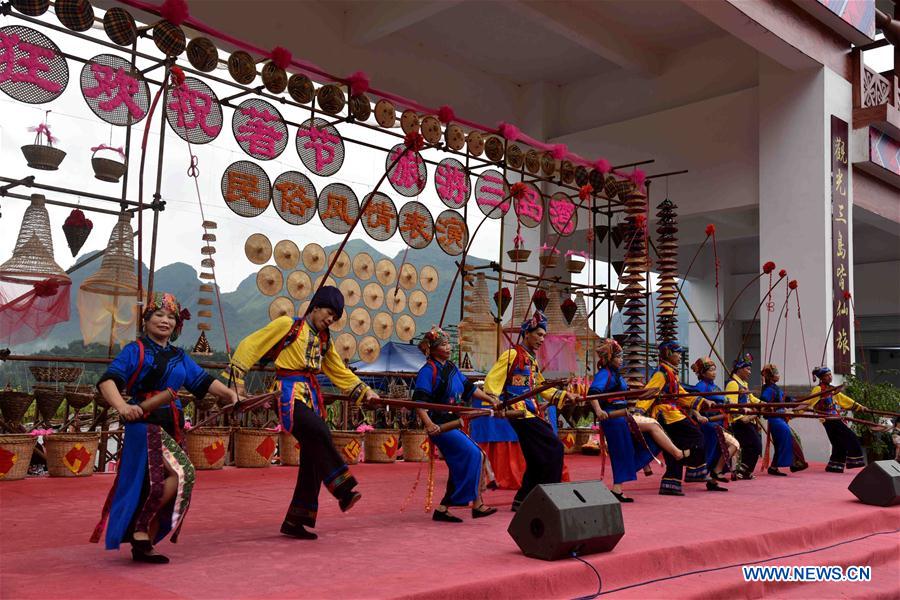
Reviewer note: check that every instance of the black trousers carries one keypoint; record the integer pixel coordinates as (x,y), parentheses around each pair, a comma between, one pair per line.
(320,463)
(751,444)
(684,434)
(543,454)
(845,446)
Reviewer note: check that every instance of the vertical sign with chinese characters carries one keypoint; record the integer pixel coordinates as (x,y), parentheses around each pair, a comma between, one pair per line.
(840,254)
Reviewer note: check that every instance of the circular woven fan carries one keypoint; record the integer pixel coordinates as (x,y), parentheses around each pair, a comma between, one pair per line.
(281,306)
(452,183)
(274,77)
(416,225)
(383,325)
(338,207)
(408,276)
(431,129)
(294,197)
(407,175)
(193,111)
(418,303)
(77,15)
(104,81)
(330,99)
(119,26)
(386,272)
(342,266)
(409,122)
(455,137)
(395,300)
(202,54)
(369,349)
(530,207)
(259,129)
(380,217)
(53,81)
(301,88)
(301,310)
(298,285)
(363,266)
(475,143)
(493,148)
(567,171)
(532,161)
(360,321)
(515,157)
(241,67)
(385,113)
(406,328)
(313,257)
(345,344)
(451,232)
(269,280)
(340,323)
(351,291)
(246,188)
(287,254)
(258,249)
(360,107)
(169,38)
(320,147)
(32,8)
(330,281)
(548,164)
(562,214)
(428,278)
(582,176)
(492,194)
(373,295)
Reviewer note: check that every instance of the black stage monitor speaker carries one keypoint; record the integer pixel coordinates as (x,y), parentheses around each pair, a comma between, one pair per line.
(558,519)
(878,483)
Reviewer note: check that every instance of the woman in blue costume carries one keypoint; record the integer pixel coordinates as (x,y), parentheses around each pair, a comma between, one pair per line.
(779,430)
(154,480)
(440,382)
(721,446)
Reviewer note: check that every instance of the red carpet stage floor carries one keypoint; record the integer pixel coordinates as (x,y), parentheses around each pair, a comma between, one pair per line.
(230,546)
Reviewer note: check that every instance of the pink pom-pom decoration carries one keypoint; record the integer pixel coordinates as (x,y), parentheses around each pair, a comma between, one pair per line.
(364,428)
(603,166)
(710,229)
(768,267)
(281,57)
(638,177)
(359,83)
(509,131)
(559,151)
(446,115)
(175,12)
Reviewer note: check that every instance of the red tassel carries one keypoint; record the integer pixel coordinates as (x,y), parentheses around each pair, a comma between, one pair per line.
(414,141)
(175,12)
(281,57)
(518,190)
(585,192)
(710,229)
(177,75)
(45,288)
(446,114)
(768,267)
(559,151)
(359,83)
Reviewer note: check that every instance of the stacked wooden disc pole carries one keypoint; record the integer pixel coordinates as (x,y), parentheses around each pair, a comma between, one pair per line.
(667,287)
(206,298)
(634,279)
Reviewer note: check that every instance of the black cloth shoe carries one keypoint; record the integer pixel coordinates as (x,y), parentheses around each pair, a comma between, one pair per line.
(297,531)
(483,511)
(797,469)
(622,497)
(712,486)
(444,516)
(142,551)
(718,476)
(670,493)
(347,502)
(834,470)
(776,472)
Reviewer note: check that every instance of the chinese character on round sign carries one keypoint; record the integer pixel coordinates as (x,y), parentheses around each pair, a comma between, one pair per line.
(115,90)
(492,194)
(32,68)
(294,197)
(259,129)
(193,111)
(246,188)
(338,207)
(380,216)
(563,214)
(416,225)
(452,183)
(406,171)
(530,206)
(320,147)
(451,232)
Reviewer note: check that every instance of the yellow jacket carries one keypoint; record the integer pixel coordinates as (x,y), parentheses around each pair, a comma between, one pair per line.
(671,409)
(531,377)
(842,400)
(736,384)
(304,354)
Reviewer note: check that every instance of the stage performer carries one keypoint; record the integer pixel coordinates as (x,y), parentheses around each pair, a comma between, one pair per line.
(721,446)
(516,372)
(744,427)
(779,430)
(672,411)
(439,381)
(302,349)
(845,447)
(154,478)
(629,448)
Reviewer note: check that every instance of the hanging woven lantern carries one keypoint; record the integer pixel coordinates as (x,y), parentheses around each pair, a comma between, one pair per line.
(77,228)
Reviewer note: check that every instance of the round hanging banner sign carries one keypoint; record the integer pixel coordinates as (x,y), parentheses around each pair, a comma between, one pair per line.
(562,214)
(115,90)
(406,171)
(492,194)
(530,207)
(259,129)
(32,68)
(380,217)
(338,207)
(246,188)
(193,111)
(416,225)
(320,147)
(452,183)
(451,232)
(294,197)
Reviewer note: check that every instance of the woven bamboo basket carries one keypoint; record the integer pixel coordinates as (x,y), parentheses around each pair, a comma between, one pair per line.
(254,448)
(574,265)
(20,446)
(107,169)
(71,454)
(548,260)
(348,444)
(14,405)
(381,445)
(54,374)
(569,439)
(79,396)
(518,255)
(288,449)
(48,401)
(43,158)
(206,402)
(207,447)
(416,445)
(582,436)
